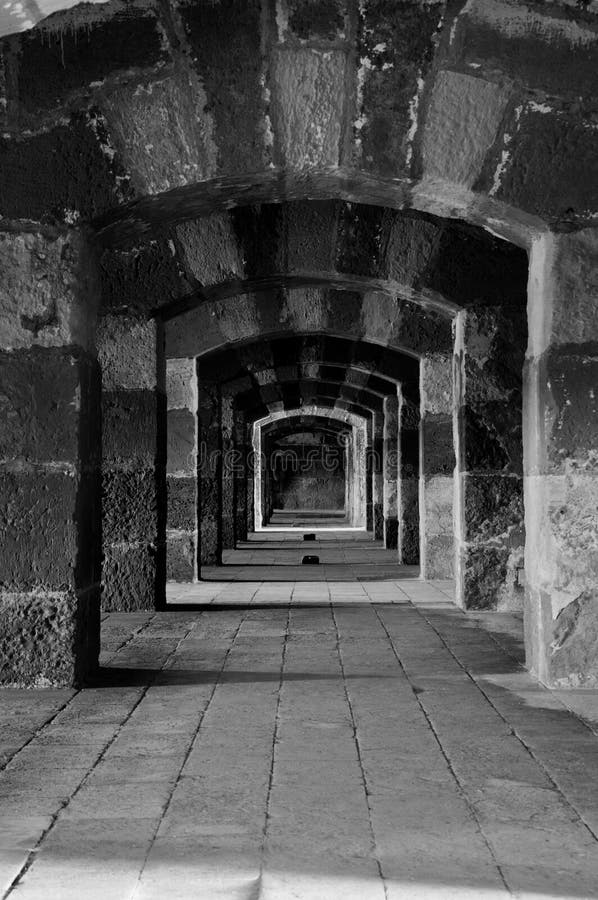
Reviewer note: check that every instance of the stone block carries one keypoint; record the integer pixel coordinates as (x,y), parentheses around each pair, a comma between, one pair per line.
(181,386)
(311,235)
(182,503)
(38,531)
(137,281)
(438,452)
(40,395)
(493,506)
(320,20)
(359,241)
(60,175)
(127,353)
(61,58)
(462,122)
(573,659)
(232,80)
(182,441)
(391,533)
(484,575)
(552,170)
(575,279)
(440,552)
(130,428)
(211,249)
(572,373)
(181,553)
(47,640)
(307,106)
(546,49)
(131,577)
(48,291)
(162,132)
(130,506)
(396,47)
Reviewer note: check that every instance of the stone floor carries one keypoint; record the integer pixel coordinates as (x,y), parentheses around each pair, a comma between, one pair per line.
(310,740)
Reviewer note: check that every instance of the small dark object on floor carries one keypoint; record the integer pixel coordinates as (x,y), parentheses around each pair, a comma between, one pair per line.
(310,560)
(309,537)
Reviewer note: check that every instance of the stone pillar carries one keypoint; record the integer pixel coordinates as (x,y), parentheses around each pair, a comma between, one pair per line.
(360,479)
(369,485)
(377,475)
(437,464)
(490,348)
(408,500)
(181,471)
(50,545)
(252,462)
(391,470)
(561,461)
(133,464)
(241,454)
(209,473)
(228,473)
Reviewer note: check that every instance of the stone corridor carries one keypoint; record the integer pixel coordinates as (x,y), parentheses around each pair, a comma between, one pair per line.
(310,739)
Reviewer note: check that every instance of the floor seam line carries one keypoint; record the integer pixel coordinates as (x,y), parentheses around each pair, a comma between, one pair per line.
(256,892)
(191,744)
(462,793)
(359,755)
(55,816)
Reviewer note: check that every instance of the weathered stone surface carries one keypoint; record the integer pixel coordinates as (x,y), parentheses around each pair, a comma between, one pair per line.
(307,97)
(210,248)
(409,525)
(181,386)
(232,79)
(140,280)
(48,290)
(182,503)
(574,649)
(438,450)
(162,132)
(546,46)
(311,235)
(182,441)
(180,557)
(359,239)
(552,169)
(47,640)
(131,576)
(129,428)
(575,286)
(437,525)
(40,393)
(127,353)
(61,175)
(57,61)
(38,532)
(318,19)
(463,118)
(572,373)
(130,506)
(396,46)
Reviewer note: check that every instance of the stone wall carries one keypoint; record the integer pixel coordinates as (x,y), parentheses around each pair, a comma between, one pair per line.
(181,469)
(49,460)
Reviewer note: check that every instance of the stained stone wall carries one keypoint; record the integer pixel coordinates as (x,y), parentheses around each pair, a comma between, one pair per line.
(49,460)
(181,469)
(561,461)
(391,471)
(437,460)
(133,463)
(409,426)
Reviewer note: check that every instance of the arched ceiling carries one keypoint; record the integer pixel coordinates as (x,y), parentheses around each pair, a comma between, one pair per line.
(128,115)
